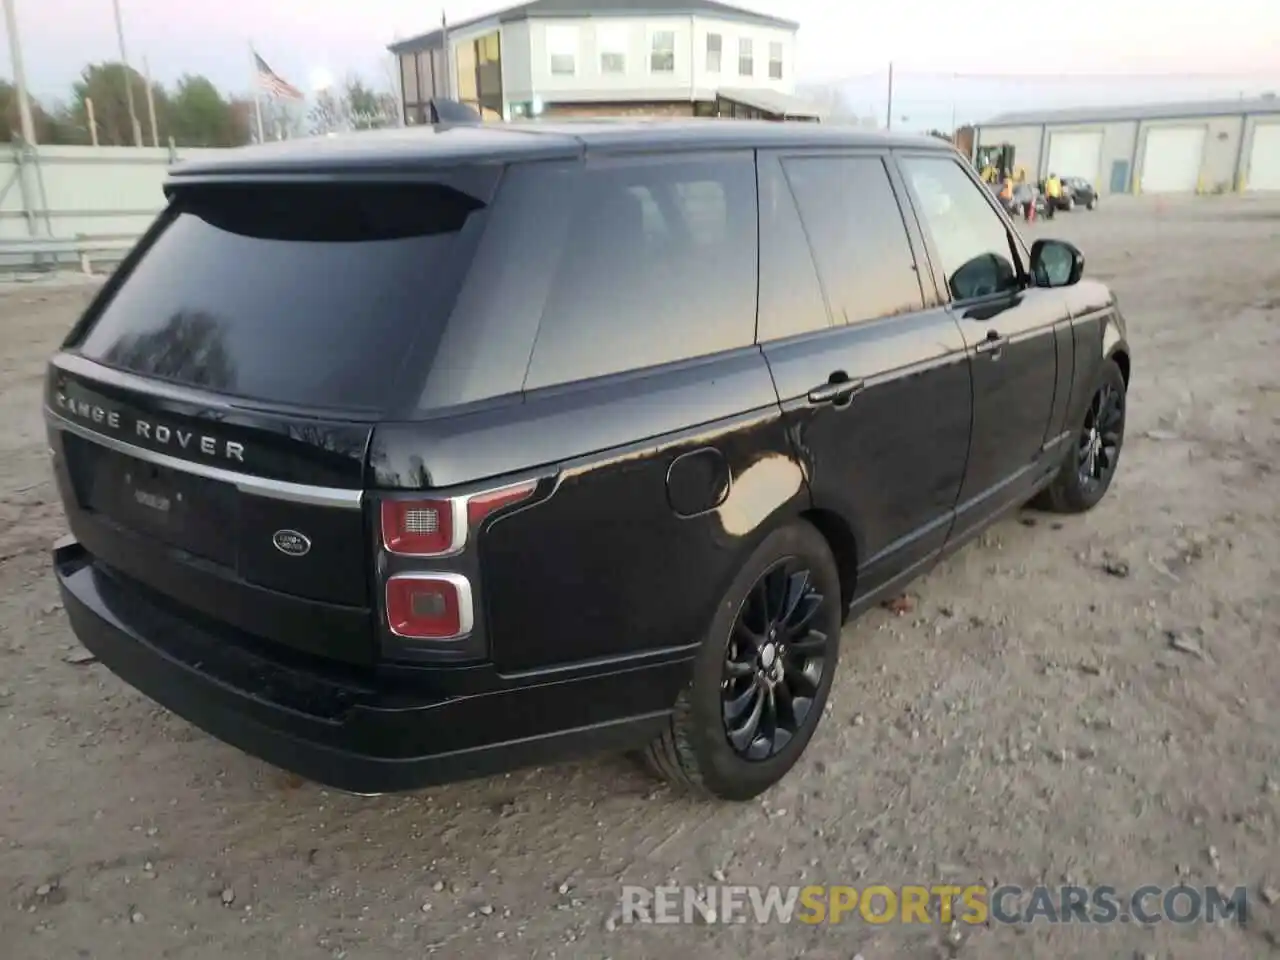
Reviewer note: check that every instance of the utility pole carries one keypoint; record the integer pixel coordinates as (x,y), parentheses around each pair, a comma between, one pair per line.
(19,74)
(151,103)
(889,116)
(128,77)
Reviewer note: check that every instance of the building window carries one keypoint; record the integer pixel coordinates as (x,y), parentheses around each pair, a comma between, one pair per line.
(409,84)
(775,60)
(714,44)
(427,73)
(612,41)
(562,49)
(662,52)
(746,62)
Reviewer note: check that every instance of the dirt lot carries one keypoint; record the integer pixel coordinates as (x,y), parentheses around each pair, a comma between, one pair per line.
(1033,718)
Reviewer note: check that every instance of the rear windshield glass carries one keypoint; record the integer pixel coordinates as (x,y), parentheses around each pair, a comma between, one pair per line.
(306,295)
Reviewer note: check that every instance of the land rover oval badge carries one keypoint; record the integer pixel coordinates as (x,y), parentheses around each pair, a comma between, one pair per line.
(291,542)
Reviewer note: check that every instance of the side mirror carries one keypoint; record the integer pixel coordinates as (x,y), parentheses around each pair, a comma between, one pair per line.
(1056,263)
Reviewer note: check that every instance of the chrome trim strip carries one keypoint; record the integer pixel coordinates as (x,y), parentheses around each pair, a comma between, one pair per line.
(466,608)
(245,483)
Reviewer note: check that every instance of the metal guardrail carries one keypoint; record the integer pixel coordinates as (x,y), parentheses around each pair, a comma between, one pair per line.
(42,248)
(84,250)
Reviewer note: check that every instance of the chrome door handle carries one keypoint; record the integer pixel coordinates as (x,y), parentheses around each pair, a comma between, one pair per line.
(839,393)
(993,345)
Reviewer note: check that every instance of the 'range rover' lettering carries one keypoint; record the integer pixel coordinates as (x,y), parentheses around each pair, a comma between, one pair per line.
(157,433)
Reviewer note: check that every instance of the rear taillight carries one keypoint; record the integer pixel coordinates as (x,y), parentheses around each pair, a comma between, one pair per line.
(438,528)
(480,505)
(423,528)
(429,606)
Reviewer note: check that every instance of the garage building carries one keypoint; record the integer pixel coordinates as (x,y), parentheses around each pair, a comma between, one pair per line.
(1209,147)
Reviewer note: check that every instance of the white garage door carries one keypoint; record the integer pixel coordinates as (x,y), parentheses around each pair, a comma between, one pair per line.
(1171,160)
(1075,155)
(1264,158)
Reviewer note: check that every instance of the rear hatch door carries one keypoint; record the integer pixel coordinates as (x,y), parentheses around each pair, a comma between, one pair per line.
(211,415)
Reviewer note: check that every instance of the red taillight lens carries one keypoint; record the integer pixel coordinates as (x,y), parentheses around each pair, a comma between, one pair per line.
(436,528)
(435,606)
(420,528)
(483,504)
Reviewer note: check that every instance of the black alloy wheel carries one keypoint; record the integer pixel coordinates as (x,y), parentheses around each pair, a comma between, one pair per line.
(762,674)
(1090,465)
(1098,450)
(773,663)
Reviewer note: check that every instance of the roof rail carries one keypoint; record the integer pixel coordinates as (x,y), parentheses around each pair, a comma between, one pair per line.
(451,111)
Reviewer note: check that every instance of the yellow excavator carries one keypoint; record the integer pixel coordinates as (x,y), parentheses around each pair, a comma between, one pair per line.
(995,163)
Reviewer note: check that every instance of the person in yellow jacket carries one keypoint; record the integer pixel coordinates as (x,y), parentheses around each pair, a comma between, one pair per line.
(1053,193)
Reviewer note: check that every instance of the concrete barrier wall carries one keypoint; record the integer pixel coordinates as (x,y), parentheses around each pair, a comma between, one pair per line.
(99,192)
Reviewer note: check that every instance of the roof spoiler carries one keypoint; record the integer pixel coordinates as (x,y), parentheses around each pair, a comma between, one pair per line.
(443,110)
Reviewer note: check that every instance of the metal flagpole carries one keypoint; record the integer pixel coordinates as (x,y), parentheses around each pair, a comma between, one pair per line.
(889,113)
(257,92)
(128,79)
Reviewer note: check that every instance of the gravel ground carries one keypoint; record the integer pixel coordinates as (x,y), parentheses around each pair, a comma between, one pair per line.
(1032,717)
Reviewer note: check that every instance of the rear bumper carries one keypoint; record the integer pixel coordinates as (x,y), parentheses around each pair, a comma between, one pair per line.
(351,732)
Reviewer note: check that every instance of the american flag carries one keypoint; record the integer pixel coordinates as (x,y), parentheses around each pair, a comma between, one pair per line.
(273,83)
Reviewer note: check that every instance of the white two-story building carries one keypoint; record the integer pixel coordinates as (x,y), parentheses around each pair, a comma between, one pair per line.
(607,57)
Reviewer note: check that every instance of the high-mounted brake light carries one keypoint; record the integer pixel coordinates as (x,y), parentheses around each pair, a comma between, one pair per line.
(438,528)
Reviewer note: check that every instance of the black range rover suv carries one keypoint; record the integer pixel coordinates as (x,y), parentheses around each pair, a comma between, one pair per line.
(411,456)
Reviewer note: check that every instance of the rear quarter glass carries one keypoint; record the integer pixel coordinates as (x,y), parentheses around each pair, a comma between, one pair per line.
(306,294)
(654,261)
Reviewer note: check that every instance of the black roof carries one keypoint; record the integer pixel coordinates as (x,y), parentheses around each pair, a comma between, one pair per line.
(597,8)
(405,149)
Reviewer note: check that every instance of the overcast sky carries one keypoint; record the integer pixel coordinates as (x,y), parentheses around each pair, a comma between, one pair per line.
(1221,48)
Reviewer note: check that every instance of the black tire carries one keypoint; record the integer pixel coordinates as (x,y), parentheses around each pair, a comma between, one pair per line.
(1093,202)
(1090,465)
(694,752)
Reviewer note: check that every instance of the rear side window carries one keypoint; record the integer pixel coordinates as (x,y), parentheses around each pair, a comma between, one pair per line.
(309,295)
(791,300)
(658,265)
(858,236)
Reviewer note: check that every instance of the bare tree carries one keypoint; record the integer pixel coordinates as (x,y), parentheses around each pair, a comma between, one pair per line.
(282,119)
(353,105)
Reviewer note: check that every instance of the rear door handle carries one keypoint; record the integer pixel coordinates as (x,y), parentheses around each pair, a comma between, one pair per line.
(993,345)
(839,392)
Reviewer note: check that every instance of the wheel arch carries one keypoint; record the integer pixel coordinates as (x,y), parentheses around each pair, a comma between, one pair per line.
(844,548)
(834,529)
(1121,356)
